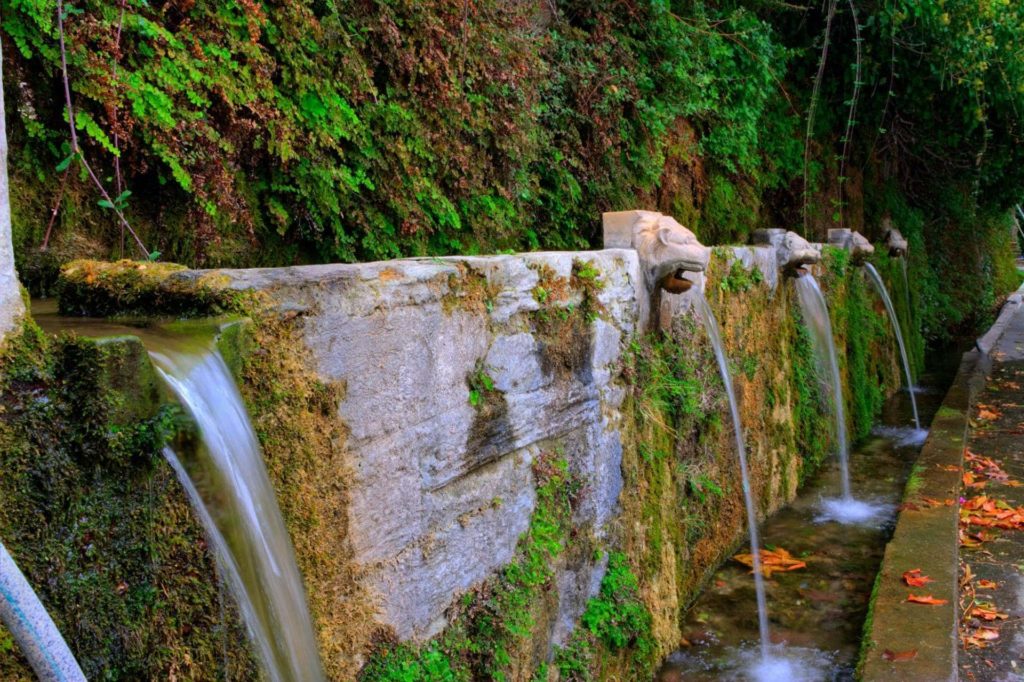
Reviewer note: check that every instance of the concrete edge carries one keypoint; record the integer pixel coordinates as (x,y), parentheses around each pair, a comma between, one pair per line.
(925,538)
(988,341)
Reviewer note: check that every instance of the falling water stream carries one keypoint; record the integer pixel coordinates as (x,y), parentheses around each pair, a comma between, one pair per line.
(227,483)
(883,292)
(714,334)
(844,509)
(815,312)
(223,475)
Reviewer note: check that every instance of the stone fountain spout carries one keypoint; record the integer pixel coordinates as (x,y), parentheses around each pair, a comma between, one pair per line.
(667,250)
(857,244)
(793,252)
(896,243)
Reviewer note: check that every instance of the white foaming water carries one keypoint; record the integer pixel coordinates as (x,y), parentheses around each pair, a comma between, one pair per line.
(791,665)
(744,664)
(711,325)
(902,436)
(815,311)
(851,512)
(883,292)
(226,481)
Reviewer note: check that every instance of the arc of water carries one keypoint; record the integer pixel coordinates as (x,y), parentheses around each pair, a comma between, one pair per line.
(227,483)
(32,628)
(711,325)
(883,293)
(815,311)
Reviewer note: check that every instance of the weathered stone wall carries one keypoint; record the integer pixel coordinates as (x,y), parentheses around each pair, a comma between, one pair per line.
(503,463)
(457,373)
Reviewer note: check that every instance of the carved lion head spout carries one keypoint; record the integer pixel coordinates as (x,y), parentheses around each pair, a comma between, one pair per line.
(792,251)
(666,248)
(854,242)
(896,242)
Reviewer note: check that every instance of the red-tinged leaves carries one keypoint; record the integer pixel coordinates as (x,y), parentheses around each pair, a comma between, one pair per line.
(987,612)
(970,480)
(930,600)
(986,585)
(898,656)
(913,578)
(986,467)
(772,561)
(980,637)
(988,413)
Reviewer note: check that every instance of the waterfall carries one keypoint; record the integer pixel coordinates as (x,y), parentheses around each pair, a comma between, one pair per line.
(815,312)
(226,481)
(883,292)
(711,325)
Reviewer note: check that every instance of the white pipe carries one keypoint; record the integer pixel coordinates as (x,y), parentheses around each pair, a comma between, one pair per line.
(27,620)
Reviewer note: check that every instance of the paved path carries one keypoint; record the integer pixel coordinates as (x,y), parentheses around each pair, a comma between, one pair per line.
(992,559)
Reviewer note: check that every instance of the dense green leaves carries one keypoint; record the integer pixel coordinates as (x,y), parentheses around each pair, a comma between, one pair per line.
(375,129)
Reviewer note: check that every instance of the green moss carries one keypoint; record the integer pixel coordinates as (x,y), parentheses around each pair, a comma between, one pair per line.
(133,288)
(616,619)
(97,520)
(739,279)
(866,643)
(497,621)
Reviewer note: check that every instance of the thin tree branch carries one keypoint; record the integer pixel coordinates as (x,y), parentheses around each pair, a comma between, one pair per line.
(812,111)
(75,149)
(56,207)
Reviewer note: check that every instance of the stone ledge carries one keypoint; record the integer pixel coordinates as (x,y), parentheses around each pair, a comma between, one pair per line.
(925,538)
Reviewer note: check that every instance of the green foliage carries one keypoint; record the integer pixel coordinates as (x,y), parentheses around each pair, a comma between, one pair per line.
(739,279)
(98,521)
(617,616)
(369,130)
(406,664)
(481,385)
(666,378)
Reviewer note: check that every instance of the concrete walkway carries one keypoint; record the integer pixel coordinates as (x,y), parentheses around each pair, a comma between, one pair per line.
(947,571)
(992,557)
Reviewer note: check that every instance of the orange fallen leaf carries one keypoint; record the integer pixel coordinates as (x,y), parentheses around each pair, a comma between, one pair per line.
(986,585)
(913,578)
(970,480)
(988,413)
(981,637)
(772,561)
(897,656)
(987,612)
(917,599)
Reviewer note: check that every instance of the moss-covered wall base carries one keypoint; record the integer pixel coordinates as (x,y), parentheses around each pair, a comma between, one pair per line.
(97,521)
(494,468)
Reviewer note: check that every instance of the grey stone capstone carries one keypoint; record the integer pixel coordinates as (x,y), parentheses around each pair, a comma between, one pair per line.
(443,490)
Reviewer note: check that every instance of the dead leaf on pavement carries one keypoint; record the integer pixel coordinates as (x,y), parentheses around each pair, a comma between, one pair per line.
(897,656)
(917,599)
(986,611)
(981,637)
(913,578)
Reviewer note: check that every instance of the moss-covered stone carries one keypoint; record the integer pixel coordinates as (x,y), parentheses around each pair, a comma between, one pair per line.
(137,288)
(98,522)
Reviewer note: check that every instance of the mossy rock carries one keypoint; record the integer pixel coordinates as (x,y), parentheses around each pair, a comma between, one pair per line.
(136,288)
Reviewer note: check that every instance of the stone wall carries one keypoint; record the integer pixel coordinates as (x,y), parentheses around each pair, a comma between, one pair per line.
(457,373)
(434,403)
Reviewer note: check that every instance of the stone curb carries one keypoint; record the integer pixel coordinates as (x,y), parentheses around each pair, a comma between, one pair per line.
(927,538)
